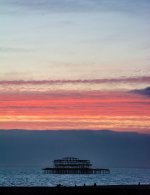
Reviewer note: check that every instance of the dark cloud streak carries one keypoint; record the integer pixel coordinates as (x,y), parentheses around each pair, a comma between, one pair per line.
(145,91)
(144,79)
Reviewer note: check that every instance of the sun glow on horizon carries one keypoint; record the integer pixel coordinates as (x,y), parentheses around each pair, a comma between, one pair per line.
(74,109)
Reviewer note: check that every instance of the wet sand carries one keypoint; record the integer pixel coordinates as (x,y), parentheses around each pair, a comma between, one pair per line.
(102,190)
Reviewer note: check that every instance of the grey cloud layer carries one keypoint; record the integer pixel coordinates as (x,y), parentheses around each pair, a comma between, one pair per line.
(83,5)
(145,91)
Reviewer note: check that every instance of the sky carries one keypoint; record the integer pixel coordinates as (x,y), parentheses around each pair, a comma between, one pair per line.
(105,149)
(75,64)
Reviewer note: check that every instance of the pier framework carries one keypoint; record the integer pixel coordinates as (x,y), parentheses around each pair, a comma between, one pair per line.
(71,165)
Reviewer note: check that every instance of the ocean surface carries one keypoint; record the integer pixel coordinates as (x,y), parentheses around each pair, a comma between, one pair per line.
(35,177)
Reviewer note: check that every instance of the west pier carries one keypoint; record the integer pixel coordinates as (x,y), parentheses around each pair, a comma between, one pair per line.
(72,165)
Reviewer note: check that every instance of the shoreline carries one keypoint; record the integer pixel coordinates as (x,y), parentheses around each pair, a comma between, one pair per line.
(104,189)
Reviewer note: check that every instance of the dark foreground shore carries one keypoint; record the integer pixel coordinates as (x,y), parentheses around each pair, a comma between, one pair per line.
(102,190)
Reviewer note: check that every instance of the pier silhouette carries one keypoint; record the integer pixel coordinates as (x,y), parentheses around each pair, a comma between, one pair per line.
(72,165)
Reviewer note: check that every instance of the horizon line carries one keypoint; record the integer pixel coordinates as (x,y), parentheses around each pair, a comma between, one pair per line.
(75,130)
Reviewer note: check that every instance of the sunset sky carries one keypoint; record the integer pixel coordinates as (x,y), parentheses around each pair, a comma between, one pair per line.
(75,64)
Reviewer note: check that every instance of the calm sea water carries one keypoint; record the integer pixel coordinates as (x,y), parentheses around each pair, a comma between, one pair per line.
(35,177)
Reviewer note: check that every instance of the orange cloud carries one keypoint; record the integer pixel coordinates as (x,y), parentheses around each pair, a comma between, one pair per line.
(114,110)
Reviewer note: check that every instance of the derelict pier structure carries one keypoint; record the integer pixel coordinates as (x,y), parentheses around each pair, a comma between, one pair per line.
(71,165)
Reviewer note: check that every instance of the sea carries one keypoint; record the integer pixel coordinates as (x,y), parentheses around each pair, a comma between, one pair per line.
(36,177)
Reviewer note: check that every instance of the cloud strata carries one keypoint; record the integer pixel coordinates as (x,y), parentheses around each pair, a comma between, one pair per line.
(80,85)
(82,5)
(33,107)
(144,79)
(74,73)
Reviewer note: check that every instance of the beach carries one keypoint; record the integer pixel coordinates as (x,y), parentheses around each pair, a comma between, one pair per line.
(103,190)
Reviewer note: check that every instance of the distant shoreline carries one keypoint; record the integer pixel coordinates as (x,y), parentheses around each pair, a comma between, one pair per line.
(103,190)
